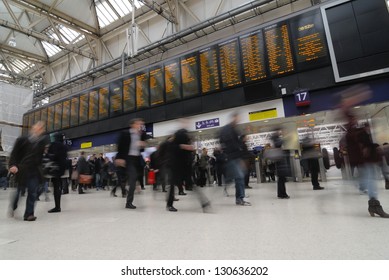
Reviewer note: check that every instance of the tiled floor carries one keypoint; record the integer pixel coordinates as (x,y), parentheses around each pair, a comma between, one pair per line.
(328,224)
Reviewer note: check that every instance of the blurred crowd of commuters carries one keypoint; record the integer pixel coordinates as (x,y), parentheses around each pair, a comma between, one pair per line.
(174,164)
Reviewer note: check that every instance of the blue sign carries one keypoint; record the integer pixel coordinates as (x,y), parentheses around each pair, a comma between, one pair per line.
(302,99)
(207,123)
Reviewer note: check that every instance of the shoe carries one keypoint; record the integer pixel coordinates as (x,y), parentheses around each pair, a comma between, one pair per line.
(30,218)
(386,185)
(142,188)
(376,208)
(243,203)
(206,207)
(10,213)
(164,190)
(362,192)
(181,193)
(284,197)
(54,210)
(248,187)
(171,209)
(175,199)
(113,194)
(318,188)
(130,206)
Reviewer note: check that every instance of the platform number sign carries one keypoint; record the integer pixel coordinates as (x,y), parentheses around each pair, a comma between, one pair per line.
(302,98)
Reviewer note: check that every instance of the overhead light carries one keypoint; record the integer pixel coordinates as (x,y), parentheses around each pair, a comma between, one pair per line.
(357,107)
(200,131)
(307,115)
(266,121)
(12,42)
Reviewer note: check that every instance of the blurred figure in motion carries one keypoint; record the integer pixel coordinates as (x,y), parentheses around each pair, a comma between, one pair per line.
(282,165)
(311,157)
(26,164)
(361,147)
(130,145)
(232,146)
(58,155)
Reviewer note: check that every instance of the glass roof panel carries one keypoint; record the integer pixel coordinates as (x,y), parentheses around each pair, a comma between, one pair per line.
(50,49)
(106,15)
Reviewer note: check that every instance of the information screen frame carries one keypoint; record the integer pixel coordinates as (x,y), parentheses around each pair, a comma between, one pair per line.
(230,71)
(306,30)
(66,114)
(37,116)
(93,105)
(331,49)
(129,88)
(83,108)
(192,87)
(259,67)
(50,118)
(173,90)
(116,98)
(156,85)
(214,71)
(44,116)
(281,53)
(142,89)
(103,102)
(58,116)
(74,110)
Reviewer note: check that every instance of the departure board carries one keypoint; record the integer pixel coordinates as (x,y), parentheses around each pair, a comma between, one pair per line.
(37,116)
(230,68)
(209,71)
(74,107)
(279,52)
(66,114)
(156,85)
(50,118)
(116,98)
(190,75)
(93,105)
(172,80)
(57,116)
(253,56)
(25,124)
(129,94)
(83,116)
(142,90)
(103,102)
(44,116)
(30,120)
(309,40)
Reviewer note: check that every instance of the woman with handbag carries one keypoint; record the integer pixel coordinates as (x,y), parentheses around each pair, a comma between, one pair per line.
(84,178)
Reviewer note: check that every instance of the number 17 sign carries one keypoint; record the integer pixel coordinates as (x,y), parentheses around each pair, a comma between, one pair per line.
(302,98)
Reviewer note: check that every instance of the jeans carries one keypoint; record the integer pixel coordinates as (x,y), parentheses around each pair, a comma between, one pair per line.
(98,181)
(32,186)
(367,179)
(236,171)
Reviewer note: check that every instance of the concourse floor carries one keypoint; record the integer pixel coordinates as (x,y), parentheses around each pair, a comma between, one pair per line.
(330,224)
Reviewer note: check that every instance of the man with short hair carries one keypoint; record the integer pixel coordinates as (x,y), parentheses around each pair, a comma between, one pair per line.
(26,164)
(232,147)
(130,145)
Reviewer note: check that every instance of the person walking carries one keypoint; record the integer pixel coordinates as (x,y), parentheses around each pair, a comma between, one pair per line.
(130,144)
(232,147)
(26,164)
(58,155)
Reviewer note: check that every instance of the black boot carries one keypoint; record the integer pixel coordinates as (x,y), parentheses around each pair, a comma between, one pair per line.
(386,185)
(376,208)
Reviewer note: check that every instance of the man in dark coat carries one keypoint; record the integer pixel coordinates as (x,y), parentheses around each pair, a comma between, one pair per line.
(58,155)
(26,164)
(232,147)
(130,145)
